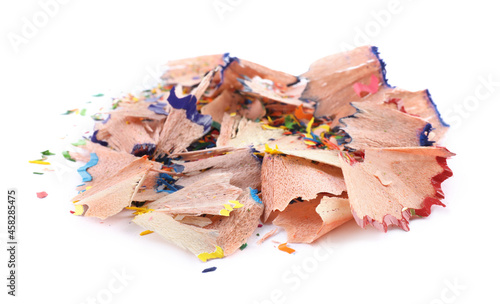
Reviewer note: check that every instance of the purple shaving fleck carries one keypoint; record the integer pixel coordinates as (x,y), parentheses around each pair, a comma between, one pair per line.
(188,103)
(158,108)
(227,62)
(424,136)
(106,120)
(97,141)
(375,52)
(253,152)
(209,269)
(143,149)
(435,109)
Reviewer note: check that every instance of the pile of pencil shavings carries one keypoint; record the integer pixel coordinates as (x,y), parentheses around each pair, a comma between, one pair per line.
(223,144)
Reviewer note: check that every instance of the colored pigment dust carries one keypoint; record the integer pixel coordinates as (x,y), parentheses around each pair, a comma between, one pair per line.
(223,145)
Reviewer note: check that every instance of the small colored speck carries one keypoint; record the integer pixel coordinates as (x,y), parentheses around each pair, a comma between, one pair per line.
(67,156)
(209,269)
(70,111)
(146,232)
(285,248)
(42,194)
(39,162)
(80,142)
(47,153)
(243,246)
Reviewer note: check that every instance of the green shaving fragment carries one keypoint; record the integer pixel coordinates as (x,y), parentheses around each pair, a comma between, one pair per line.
(47,152)
(289,122)
(98,95)
(69,112)
(116,104)
(243,246)
(83,112)
(97,117)
(81,142)
(67,156)
(413,213)
(215,125)
(38,173)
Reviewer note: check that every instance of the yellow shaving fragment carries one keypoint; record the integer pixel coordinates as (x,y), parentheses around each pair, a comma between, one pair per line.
(228,208)
(145,232)
(232,114)
(309,143)
(324,127)
(139,210)
(39,162)
(236,204)
(268,127)
(224,212)
(272,151)
(78,210)
(308,129)
(217,254)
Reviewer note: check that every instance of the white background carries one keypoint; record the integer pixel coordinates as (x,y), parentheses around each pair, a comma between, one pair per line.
(90,47)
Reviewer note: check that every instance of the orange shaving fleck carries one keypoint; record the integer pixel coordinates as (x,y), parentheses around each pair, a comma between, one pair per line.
(300,114)
(285,248)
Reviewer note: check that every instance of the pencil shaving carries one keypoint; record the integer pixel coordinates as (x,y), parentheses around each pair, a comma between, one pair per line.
(223,144)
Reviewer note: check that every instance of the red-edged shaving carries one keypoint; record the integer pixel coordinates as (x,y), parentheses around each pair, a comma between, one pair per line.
(389,183)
